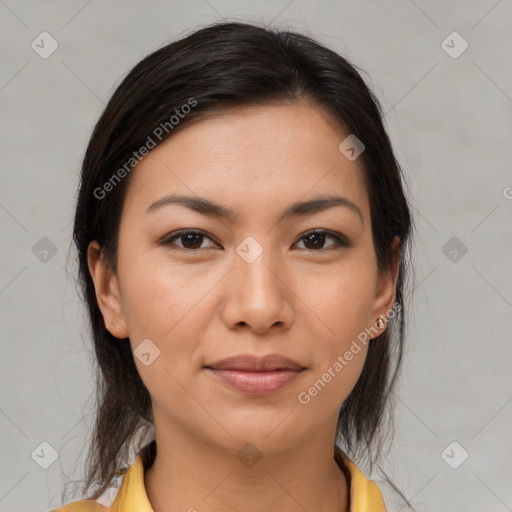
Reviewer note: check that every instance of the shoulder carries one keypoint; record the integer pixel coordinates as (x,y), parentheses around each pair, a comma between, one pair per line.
(126,490)
(86,505)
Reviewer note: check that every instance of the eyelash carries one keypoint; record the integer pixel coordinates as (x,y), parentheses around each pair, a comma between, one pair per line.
(340,240)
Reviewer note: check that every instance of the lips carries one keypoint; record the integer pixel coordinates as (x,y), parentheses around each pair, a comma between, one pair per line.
(250,363)
(256,376)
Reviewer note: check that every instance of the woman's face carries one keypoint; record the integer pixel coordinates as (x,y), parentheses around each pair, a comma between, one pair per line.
(252,282)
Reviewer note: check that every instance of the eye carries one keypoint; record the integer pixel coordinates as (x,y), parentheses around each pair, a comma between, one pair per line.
(191,239)
(315,239)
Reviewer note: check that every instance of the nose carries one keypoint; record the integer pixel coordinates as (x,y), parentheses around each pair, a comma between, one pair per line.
(259,295)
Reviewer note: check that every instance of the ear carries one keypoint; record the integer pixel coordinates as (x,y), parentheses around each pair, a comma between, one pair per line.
(107,291)
(386,288)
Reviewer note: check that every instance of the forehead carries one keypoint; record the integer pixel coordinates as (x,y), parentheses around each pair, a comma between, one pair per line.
(261,155)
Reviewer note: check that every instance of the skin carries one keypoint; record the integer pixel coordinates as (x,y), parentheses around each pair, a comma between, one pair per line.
(204,303)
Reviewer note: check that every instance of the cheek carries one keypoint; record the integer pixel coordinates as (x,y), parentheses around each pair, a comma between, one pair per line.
(157,296)
(342,298)
(162,303)
(344,304)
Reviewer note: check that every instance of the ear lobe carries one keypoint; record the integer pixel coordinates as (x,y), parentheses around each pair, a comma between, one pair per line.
(107,291)
(386,288)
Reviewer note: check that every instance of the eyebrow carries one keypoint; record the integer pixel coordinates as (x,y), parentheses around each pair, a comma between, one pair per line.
(211,209)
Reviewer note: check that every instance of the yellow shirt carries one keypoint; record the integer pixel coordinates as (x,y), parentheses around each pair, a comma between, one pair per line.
(131,497)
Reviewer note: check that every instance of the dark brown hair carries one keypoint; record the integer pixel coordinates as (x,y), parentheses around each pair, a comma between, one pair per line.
(221,66)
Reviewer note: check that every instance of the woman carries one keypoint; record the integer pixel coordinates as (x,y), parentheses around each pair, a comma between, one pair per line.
(243,235)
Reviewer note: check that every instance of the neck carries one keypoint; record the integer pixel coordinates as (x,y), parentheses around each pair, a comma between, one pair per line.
(192,474)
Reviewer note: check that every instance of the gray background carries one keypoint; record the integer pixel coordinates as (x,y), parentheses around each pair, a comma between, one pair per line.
(450,121)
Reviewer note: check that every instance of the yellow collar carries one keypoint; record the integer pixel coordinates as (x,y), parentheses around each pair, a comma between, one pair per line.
(364,493)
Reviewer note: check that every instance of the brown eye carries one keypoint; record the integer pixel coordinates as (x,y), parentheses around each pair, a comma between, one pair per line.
(315,240)
(190,239)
